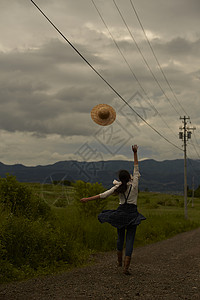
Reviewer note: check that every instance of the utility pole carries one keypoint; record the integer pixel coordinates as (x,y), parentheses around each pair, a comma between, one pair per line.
(185,135)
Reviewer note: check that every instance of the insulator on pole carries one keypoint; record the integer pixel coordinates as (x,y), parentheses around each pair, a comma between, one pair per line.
(181,135)
(189,133)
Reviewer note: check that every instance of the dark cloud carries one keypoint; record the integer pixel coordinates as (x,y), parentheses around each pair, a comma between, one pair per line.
(47,90)
(178,47)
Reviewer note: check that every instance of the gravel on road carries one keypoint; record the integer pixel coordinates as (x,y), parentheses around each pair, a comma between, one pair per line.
(166,270)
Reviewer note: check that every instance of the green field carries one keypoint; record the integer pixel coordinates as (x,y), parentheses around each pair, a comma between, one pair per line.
(46,228)
(165,213)
(165,216)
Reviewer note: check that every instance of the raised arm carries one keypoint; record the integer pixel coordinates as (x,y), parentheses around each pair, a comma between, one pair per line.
(135,149)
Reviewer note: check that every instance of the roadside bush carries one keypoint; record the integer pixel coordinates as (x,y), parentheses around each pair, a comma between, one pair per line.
(17,199)
(7,270)
(32,243)
(169,202)
(28,247)
(61,202)
(84,190)
(152,206)
(31,240)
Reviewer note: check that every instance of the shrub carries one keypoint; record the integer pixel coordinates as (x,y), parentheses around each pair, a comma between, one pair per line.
(17,199)
(31,240)
(152,205)
(86,189)
(147,201)
(61,202)
(169,202)
(32,245)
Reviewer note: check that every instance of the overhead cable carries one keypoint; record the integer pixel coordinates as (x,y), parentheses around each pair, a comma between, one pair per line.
(193,145)
(192,166)
(144,59)
(197,144)
(97,72)
(130,68)
(153,52)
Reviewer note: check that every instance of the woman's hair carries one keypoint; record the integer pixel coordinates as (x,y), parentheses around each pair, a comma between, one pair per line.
(124,177)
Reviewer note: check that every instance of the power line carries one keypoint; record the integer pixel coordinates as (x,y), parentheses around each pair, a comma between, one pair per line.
(192,166)
(196,143)
(109,85)
(153,52)
(195,149)
(144,59)
(130,68)
(196,139)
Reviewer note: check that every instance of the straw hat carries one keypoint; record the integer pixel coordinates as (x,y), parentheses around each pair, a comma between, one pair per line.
(103,114)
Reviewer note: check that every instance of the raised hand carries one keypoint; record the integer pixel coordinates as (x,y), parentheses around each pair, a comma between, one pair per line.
(135,148)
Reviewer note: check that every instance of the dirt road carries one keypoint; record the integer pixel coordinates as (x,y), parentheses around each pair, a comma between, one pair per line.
(165,270)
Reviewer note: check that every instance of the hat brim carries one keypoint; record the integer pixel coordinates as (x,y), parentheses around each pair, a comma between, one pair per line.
(103,122)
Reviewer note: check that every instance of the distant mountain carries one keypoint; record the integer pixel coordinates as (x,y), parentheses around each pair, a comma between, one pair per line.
(164,176)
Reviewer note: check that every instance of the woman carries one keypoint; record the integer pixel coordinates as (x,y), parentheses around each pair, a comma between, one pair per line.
(126,217)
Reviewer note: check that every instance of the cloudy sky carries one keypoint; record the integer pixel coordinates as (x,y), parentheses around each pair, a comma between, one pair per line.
(47,90)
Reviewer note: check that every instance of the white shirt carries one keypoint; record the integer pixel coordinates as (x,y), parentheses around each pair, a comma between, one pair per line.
(132,199)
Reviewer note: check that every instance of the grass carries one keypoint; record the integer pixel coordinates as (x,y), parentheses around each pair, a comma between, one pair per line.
(164,218)
(71,236)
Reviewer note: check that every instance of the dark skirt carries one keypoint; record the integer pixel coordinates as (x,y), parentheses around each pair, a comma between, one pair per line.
(123,216)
